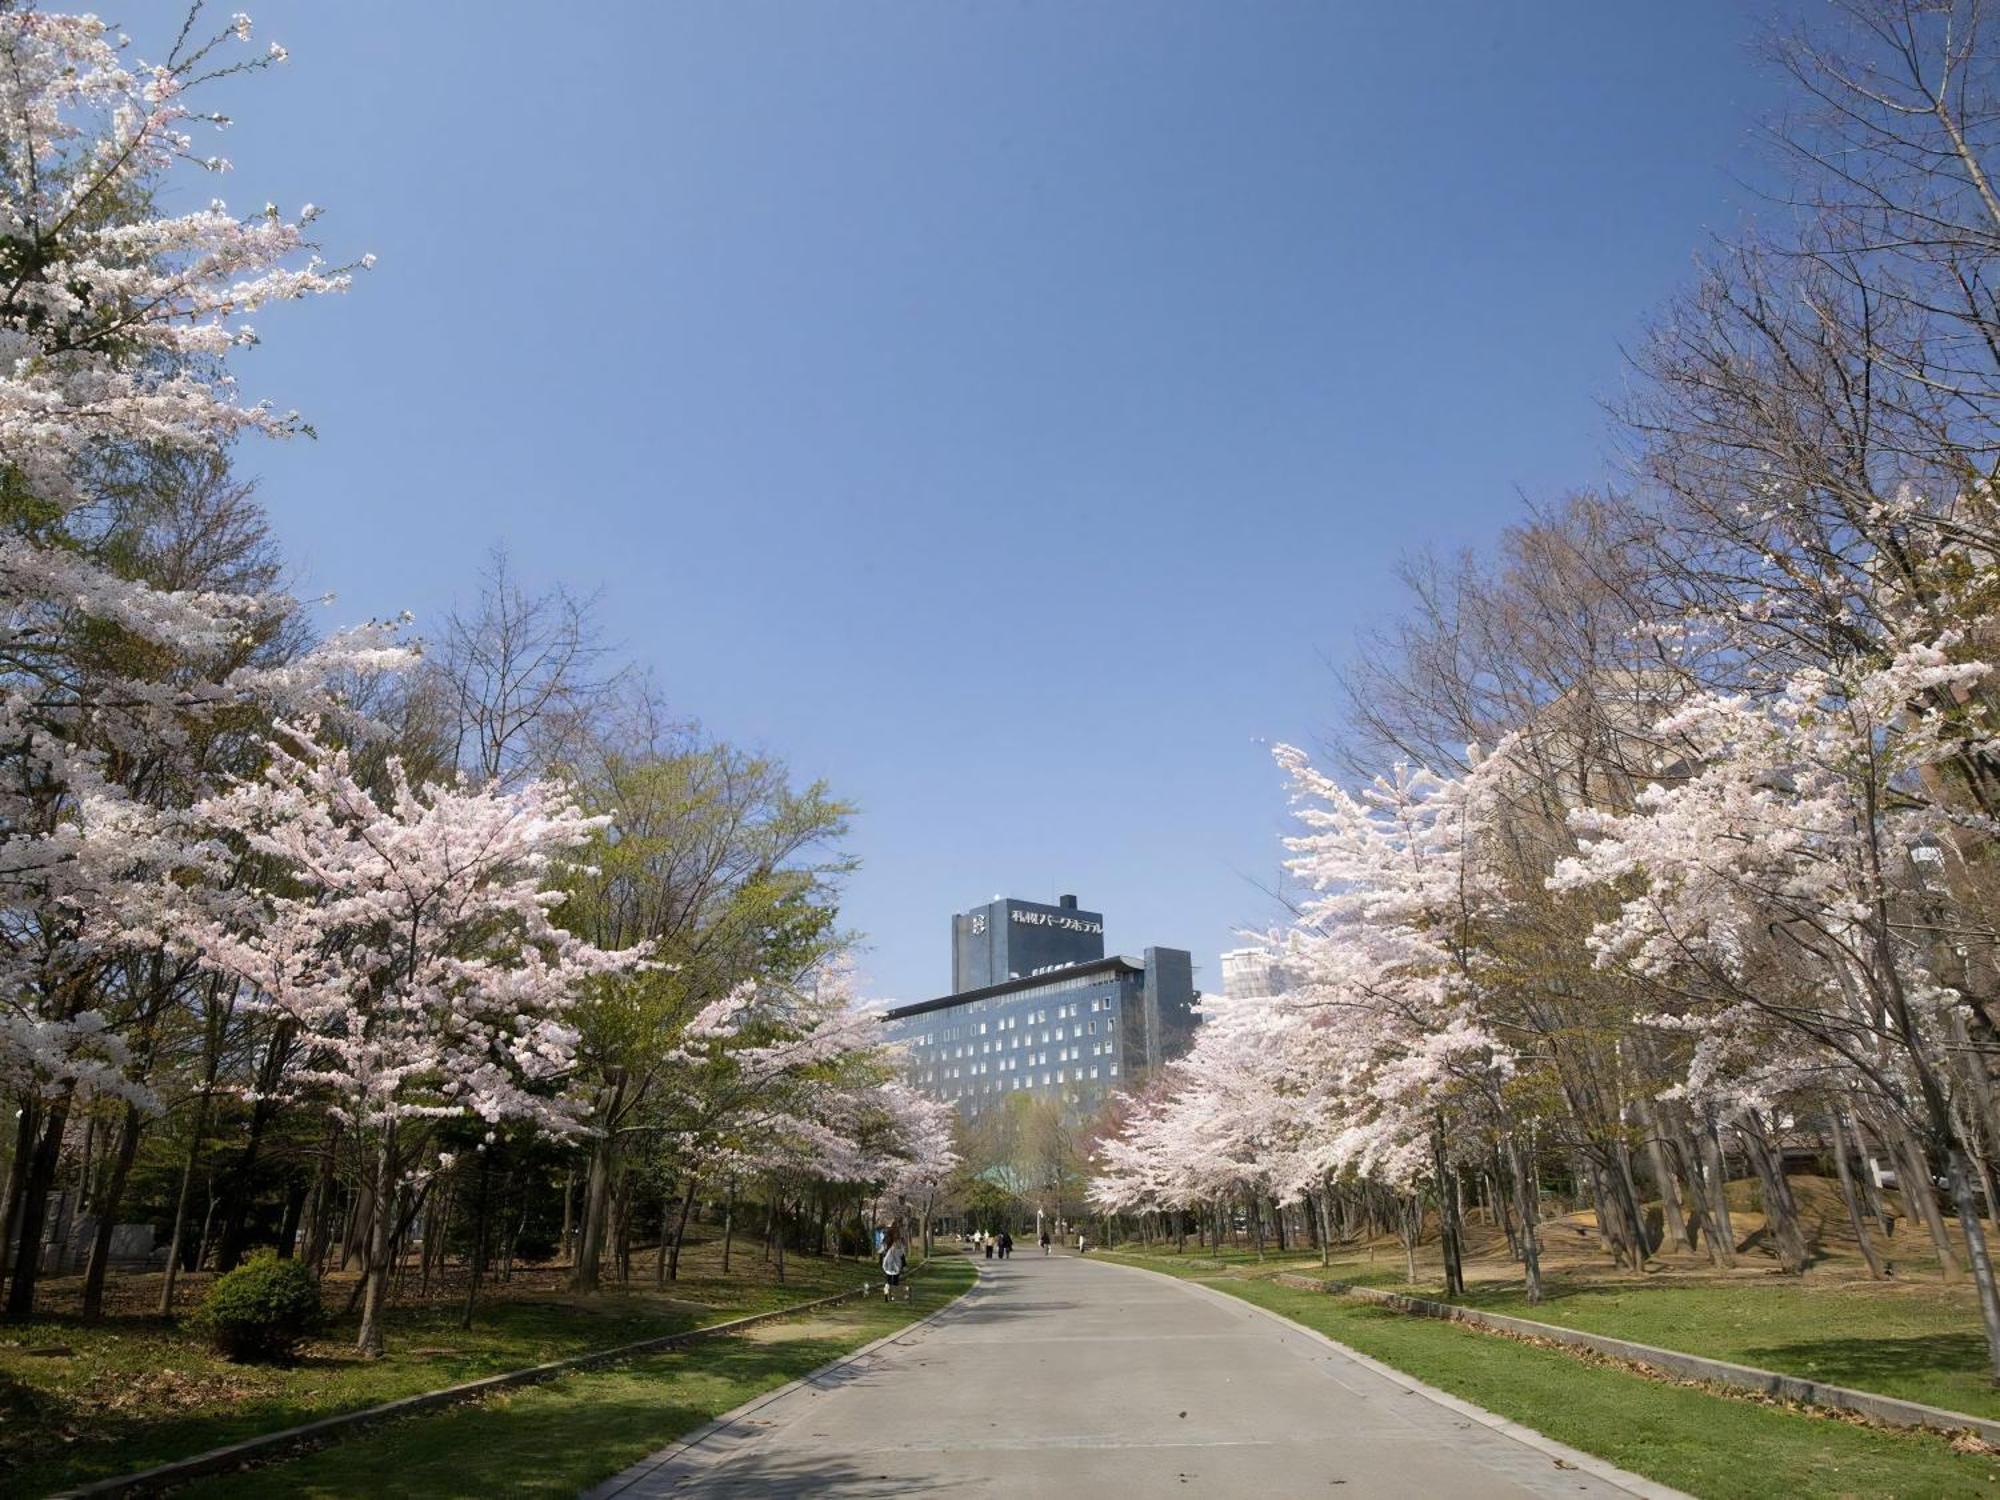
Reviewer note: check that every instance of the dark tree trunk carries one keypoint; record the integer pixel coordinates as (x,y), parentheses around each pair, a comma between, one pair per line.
(26,1122)
(240,1188)
(1527,1197)
(108,1203)
(319,1217)
(1715,1172)
(372,1338)
(476,1267)
(35,1207)
(1781,1213)
(588,1273)
(1856,1220)
(680,1230)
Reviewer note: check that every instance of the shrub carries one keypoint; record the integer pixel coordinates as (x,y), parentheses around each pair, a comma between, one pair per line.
(262,1310)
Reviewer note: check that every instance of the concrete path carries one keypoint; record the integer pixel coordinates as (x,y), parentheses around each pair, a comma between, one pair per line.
(1068,1378)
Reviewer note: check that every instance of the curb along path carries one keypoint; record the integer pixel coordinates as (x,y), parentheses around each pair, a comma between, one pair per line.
(1890,1411)
(275,1445)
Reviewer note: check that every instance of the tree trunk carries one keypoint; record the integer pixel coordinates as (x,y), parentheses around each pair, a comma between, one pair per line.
(1527,1194)
(1715,1174)
(1781,1214)
(319,1215)
(680,1230)
(108,1204)
(1913,1177)
(207,1224)
(1664,1179)
(239,1189)
(1958,1172)
(728,1224)
(372,1339)
(597,1194)
(585,1277)
(35,1207)
(569,1218)
(778,1232)
(666,1234)
(361,1216)
(476,1260)
(1448,1219)
(27,1120)
(1855,1218)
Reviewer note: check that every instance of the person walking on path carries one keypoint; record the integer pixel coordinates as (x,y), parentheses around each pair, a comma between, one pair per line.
(1006,1245)
(1045,1242)
(893,1256)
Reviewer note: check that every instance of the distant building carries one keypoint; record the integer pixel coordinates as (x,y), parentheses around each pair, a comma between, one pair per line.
(1038,1009)
(1249,973)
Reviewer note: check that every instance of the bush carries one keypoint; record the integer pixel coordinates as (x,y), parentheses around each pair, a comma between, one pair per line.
(262,1310)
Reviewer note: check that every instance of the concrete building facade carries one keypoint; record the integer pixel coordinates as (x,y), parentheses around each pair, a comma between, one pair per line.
(1055,1019)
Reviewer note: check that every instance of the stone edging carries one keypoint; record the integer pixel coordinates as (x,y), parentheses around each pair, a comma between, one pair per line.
(1890,1411)
(271,1444)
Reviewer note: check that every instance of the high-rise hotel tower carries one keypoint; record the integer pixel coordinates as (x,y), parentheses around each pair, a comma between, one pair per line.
(1036,1008)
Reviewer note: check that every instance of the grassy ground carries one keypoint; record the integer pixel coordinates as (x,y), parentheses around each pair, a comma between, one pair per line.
(1917,1342)
(555,1439)
(1911,1336)
(80,1402)
(1709,1445)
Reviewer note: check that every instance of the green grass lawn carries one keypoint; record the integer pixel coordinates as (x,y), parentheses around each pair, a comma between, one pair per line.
(81,1402)
(1912,1337)
(1922,1343)
(1709,1445)
(554,1439)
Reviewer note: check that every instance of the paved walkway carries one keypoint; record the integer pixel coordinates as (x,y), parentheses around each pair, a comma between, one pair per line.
(1066,1377)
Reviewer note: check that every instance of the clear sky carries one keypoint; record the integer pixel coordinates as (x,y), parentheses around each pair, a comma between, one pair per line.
(1003,410)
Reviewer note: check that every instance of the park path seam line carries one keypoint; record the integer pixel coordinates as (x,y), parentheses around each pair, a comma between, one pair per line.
(1598,1468)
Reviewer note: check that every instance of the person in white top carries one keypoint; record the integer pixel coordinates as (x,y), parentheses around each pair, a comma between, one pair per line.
(893,1257)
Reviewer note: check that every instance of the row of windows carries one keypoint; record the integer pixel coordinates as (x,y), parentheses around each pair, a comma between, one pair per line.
(1013,1064)
(1047,1080)
(1032,993)
(982,1049)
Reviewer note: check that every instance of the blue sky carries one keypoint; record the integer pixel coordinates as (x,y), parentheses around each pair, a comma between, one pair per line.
(1004,411)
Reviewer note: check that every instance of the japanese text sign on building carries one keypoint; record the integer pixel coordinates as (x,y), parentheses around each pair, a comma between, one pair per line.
(1063,920)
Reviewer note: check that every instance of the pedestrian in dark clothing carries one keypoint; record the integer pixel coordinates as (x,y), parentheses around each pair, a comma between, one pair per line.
(1006,1244)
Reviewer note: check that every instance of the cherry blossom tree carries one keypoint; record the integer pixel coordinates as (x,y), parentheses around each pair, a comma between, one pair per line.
(407,940)
(1773,889)
(117,322)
